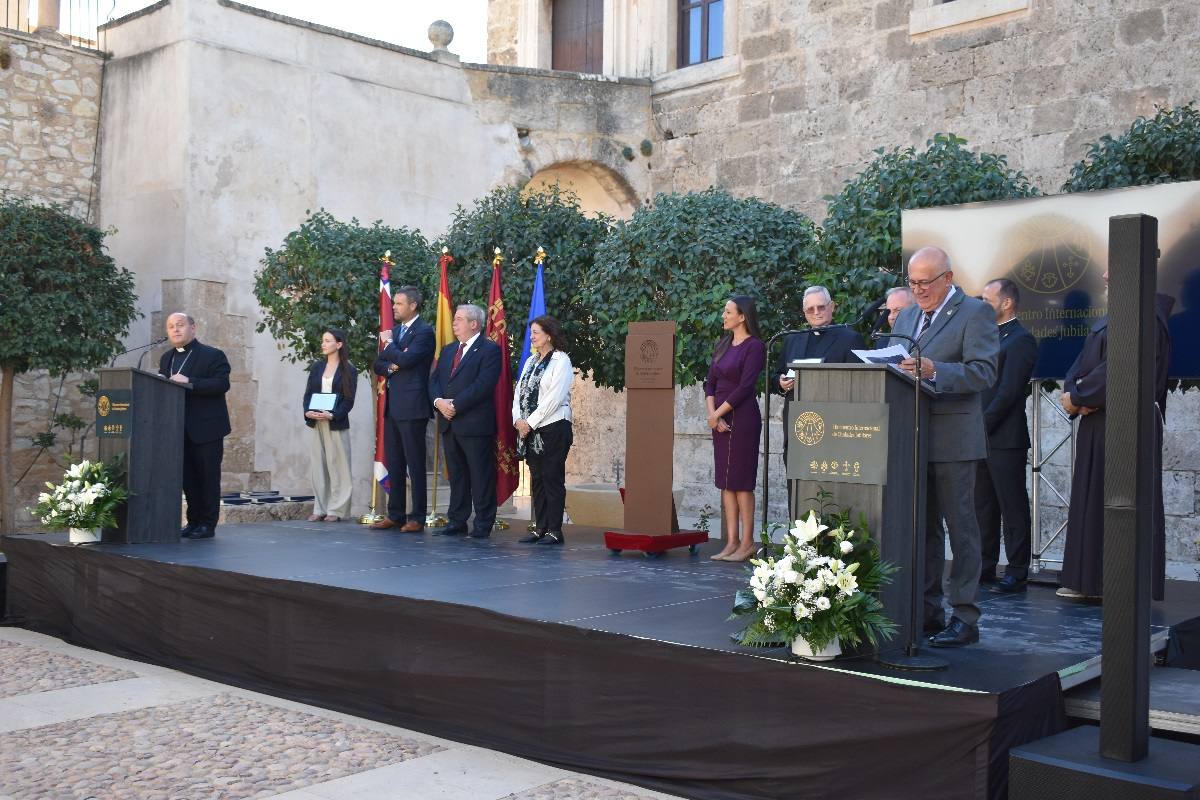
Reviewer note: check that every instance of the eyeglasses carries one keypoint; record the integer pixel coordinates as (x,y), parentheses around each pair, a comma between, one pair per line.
(914,285)
(815,309)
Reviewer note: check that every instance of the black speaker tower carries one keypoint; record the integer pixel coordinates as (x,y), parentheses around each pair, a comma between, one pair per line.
(1121,761)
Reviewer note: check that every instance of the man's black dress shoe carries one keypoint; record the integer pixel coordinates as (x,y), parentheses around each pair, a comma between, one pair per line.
(1009,584)
(933,626)
(534,536)
(448,531)
(553,537)
(957,634)
(186,531)
(479,534)
(987,576)
(202,532)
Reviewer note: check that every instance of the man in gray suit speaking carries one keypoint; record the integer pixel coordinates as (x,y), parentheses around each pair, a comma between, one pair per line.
(959,346)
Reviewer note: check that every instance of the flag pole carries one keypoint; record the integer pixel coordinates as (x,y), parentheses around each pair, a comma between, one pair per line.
(443,336)
(380,386)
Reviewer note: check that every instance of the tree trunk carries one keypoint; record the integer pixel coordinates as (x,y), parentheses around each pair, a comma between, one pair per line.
(7,512)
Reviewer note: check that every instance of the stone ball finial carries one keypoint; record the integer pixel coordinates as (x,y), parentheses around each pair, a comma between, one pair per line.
(441,33)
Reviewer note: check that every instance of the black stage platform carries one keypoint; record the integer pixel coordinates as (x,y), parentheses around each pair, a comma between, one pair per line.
(616,665)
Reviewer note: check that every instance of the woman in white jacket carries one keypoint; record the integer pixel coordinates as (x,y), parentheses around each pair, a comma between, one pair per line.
(542,416)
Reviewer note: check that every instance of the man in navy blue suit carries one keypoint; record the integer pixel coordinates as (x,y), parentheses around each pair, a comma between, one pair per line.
(462,389)
(205,372)
(405,362)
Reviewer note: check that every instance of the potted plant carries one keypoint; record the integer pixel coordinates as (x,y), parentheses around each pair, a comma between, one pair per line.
(817,590)
(85,502)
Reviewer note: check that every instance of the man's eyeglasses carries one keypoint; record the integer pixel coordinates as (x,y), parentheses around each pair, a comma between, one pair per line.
(914,285)
(815,309)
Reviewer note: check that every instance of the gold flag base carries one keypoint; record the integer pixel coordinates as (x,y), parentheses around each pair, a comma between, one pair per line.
(500,525)
(436,520)
(370,518)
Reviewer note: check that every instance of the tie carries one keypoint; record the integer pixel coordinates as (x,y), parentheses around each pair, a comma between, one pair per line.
(457,358)
(403,330)
(925,324)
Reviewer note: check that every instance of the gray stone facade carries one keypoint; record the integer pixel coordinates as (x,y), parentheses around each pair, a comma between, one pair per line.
(50,94)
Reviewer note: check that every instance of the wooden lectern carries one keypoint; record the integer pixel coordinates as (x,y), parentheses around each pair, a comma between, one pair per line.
(850,430)
(140,415)
(650,444)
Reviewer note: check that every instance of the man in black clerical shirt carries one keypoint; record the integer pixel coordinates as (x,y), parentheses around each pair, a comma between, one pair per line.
(1001,500)
(206,421)
(831,345)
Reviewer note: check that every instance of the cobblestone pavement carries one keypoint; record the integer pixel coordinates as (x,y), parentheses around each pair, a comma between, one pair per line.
(78,724)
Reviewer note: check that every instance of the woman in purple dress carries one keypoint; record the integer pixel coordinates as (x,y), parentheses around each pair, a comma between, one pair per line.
(736,423)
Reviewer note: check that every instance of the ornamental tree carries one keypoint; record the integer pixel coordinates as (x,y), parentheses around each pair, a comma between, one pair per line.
(518,222)
(681,259)
(65,306)
(860,243)
(1164,149)
(325,275)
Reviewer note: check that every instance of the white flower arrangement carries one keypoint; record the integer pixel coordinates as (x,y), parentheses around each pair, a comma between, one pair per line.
(821,586)
(88,497)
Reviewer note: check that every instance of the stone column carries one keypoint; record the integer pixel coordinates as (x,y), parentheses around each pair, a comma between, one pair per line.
(47,17)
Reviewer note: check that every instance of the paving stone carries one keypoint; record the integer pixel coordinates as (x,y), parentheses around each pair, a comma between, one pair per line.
(224,747)
(578,789)
(25,669)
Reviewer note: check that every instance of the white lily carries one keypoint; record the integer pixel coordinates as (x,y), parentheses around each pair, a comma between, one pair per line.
(808,529)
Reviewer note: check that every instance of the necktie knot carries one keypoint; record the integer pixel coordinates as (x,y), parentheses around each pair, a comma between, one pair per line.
(925,324)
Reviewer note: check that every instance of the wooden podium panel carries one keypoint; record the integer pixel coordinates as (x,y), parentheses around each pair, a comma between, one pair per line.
(140,415)
(649,426)
(858,390)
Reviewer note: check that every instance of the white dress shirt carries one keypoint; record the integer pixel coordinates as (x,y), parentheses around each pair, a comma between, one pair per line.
(554,392)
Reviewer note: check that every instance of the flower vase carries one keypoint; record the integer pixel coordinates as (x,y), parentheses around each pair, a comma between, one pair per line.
(801,648)
(85,535)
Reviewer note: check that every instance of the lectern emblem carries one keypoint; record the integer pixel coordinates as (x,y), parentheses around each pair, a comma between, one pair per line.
(810,428)
(649,351)
(103,405)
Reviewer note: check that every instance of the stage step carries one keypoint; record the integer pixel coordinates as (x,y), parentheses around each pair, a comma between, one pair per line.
(1174,700)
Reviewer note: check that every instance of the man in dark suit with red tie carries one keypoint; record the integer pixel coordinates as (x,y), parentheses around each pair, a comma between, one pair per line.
(405,362)
(462,388)
(205,371)
(1001,500)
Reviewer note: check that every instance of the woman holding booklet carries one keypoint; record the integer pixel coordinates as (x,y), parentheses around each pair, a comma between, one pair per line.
(328,399)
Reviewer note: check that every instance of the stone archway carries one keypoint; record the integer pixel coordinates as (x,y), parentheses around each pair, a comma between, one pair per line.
(600,189)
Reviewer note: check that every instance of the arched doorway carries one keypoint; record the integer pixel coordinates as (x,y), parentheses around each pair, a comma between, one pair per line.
(600,190)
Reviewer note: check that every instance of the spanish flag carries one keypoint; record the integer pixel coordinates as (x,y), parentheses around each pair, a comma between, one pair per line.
(442,330)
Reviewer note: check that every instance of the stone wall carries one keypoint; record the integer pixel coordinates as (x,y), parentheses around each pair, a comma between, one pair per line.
(822,84)
(503,16)
(50,93)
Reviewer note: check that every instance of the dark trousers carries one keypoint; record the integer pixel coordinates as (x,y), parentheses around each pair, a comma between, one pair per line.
(1001,501)
(404,448)
(202,480)
(951,497)
(471,461)
(548,473)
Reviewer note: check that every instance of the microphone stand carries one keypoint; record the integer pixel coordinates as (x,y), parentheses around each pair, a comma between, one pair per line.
(143,348)
(766,427)
(912,659)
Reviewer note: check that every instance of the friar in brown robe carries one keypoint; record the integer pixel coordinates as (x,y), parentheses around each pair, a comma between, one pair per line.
(1083,396)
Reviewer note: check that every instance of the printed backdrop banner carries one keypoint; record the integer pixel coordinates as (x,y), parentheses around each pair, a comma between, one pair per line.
(1056,250)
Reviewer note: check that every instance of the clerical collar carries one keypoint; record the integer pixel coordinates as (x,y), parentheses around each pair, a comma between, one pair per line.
(186,347)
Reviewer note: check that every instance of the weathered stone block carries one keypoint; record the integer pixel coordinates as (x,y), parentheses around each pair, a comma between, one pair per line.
(1179,492)
(1057,116)
(1004,56)
(767,45)
(786,101)
(982,95)
(67,86)
(940,69)
(1142,26)
(1039,85)
(892,14)
(738,172)
(754,107)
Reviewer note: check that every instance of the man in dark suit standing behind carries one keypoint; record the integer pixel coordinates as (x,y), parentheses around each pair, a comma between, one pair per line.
(1001,499)
(405,362)
(205,421)
(959,341)
(462,389)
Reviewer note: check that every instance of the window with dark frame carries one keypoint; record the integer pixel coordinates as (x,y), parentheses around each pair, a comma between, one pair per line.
(701,31)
